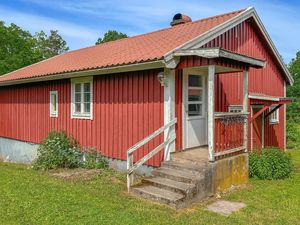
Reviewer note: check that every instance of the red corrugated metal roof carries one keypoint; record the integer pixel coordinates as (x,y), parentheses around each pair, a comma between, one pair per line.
(141,48)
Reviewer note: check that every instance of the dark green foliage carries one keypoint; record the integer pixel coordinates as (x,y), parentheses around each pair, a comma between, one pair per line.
(51,45)
(292,134)
(60,151)
(19,48)
(270,164)
(293,109)
(92,159)
(111,35)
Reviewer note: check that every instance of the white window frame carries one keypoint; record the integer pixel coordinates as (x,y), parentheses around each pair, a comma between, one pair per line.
(82,115)
(52,112)
(274,117)
(235,108)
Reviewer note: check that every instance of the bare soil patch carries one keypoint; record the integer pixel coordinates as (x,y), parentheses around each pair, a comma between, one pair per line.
(74,174)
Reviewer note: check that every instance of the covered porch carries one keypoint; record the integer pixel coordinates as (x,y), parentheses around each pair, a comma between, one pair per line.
(191,96)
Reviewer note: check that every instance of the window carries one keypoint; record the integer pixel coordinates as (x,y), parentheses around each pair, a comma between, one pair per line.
(235,108)
(195,95)
(274,117)
(53,104)
(82,98)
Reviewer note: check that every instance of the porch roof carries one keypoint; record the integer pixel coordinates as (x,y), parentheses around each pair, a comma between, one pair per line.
(215,53)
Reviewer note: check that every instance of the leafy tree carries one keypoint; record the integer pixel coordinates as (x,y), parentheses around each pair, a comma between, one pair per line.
(51,45)
(111,35)
(294,91)
(19,48)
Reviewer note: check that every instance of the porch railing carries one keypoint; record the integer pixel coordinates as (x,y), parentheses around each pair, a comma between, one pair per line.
(229,133)
(131,166)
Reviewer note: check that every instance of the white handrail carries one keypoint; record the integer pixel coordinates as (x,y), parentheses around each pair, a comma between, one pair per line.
(131,167)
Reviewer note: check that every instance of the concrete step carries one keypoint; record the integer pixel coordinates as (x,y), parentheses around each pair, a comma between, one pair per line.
(177,175)
(193,167)
(188,159)
(171,185)
(161,195)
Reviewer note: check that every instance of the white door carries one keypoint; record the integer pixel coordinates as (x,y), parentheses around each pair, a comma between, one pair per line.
(194,110)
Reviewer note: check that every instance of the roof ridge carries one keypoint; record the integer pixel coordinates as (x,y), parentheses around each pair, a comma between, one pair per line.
(157,31)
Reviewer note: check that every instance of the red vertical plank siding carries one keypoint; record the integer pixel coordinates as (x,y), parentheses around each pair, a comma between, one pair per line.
(178,108)
(126,108)
(246,39)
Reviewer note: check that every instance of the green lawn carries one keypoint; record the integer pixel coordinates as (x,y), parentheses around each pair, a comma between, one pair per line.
(31,197)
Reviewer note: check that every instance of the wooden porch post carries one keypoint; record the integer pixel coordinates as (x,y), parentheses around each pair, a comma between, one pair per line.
(245,106)
(211,111)
(169,109)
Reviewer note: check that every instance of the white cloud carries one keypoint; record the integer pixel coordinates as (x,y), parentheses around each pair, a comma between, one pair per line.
(35,23)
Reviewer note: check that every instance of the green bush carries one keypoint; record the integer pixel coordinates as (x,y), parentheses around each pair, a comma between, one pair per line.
(293,135)
(271,163)
(60,151)
(91,159)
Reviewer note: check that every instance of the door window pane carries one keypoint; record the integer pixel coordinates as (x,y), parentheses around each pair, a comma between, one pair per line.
(195,81)
(195,94)
(195,110)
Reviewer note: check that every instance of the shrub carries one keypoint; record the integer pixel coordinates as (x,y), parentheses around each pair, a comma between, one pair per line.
(92,159)
(271,163)
(60,151)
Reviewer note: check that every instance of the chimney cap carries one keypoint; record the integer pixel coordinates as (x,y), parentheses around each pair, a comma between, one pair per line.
(180,18)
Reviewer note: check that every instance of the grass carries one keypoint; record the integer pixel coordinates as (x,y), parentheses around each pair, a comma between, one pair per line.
(31,197)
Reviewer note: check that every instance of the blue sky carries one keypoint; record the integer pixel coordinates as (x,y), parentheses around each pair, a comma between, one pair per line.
(82,22)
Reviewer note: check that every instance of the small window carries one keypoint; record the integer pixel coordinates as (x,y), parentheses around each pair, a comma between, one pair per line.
(53,104)
(235,108)
(274,117)
(82,92)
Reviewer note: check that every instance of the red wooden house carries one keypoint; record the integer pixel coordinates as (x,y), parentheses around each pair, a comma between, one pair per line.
(217,83)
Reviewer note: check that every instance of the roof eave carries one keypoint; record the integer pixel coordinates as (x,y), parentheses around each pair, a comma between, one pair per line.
(155,64)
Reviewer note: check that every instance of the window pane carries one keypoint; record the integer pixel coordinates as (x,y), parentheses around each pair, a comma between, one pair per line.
(195,109)
(54,102)
(195,81)
(87,87)
(195,95)
(77,97)
(87,107)
(78,88)
(87,97)
(77,107)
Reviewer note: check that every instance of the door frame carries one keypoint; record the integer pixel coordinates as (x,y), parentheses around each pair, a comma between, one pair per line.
(262,126)
(185,73)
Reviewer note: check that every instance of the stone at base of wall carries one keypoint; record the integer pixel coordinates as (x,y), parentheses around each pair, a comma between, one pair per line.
(230,172)
(25,152)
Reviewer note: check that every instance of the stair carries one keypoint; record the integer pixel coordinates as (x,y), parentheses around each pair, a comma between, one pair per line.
(176,183)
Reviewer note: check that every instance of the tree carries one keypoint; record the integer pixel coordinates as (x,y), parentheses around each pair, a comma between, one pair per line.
(294,91)
(52,45)
(111,35)
(19,48)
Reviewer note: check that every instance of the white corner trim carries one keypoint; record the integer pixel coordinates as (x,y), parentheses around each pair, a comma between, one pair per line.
(88,116)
